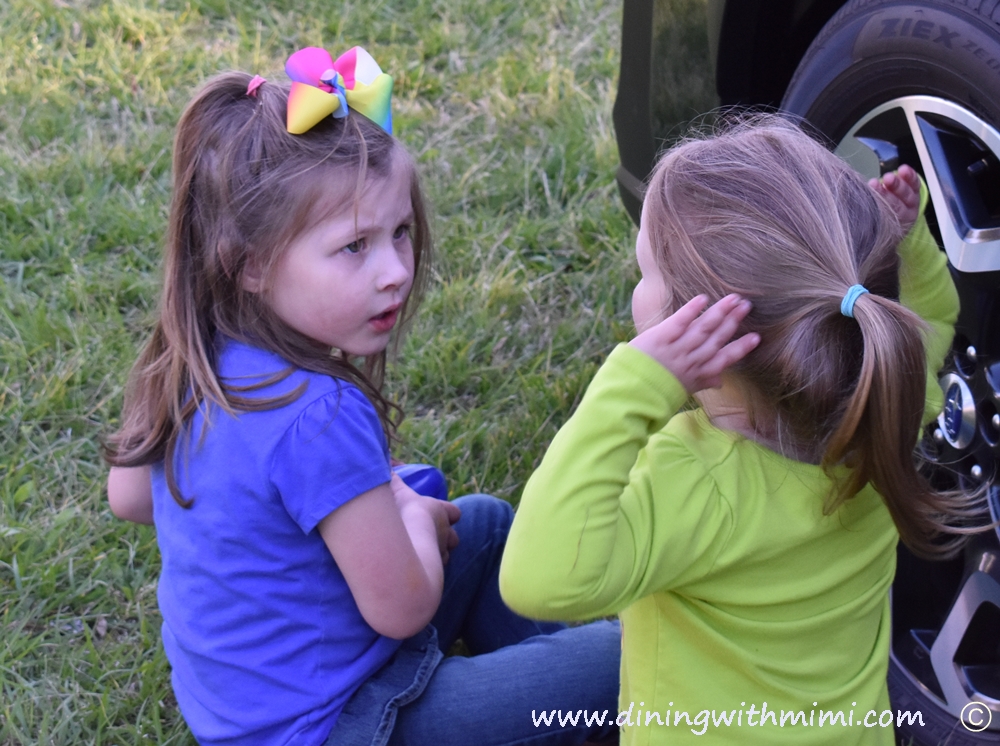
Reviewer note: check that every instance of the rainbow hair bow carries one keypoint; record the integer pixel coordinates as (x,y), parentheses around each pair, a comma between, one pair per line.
(322,88)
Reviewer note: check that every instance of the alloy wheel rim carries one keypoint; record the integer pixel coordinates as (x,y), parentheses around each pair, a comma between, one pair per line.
(945,135)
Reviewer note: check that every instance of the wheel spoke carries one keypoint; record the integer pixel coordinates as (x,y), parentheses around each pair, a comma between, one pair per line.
(959,155)
(978,590)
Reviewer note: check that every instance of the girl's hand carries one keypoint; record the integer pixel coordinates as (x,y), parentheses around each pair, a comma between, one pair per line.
(444,514)
(902,191)
(696,346)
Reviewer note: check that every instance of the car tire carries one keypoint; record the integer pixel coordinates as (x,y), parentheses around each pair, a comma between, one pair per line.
(871,52)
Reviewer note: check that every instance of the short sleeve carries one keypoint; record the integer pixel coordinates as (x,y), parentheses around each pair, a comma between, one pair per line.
(332,452)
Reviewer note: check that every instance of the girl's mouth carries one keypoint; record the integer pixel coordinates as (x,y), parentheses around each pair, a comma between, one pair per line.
(385,320)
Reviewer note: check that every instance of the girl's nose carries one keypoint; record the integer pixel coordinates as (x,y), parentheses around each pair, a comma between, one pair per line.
(395,267)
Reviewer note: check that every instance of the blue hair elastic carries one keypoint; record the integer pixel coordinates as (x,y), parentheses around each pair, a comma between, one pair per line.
(850,298)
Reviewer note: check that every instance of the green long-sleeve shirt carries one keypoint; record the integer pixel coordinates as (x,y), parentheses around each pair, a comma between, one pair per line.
(734,589)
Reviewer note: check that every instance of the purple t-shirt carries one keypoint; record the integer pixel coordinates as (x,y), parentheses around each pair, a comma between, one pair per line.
(263,635)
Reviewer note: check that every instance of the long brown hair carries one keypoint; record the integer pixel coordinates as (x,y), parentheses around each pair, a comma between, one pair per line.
(243,189)
(763,210)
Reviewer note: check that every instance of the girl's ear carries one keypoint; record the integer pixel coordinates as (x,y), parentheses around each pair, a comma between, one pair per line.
(252,278)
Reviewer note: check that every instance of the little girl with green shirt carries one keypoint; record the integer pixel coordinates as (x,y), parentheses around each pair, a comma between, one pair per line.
(749,543)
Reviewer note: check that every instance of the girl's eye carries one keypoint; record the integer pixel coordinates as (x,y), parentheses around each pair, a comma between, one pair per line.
(403,230)
(354,247)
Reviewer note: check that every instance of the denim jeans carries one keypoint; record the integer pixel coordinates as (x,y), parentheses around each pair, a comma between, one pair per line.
(518,669)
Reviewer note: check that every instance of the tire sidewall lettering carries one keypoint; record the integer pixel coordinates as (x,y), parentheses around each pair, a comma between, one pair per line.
(871,53)
(927,34)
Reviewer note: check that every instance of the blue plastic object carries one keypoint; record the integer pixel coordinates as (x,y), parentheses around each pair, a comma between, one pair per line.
(424,479)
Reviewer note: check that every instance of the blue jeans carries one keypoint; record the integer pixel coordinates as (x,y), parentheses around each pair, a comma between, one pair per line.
(518,668)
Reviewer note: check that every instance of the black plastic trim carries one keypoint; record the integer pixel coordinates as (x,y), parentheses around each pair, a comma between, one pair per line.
(631,115)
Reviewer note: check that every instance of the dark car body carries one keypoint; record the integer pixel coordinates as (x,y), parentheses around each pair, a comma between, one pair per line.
(750,48)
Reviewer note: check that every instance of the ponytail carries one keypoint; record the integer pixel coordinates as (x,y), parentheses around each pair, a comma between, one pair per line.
(877,433)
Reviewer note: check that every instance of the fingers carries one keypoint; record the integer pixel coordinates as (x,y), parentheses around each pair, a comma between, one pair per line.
(401,490)
(695,347)
(447,536)
(446,542)
(736,351)
(719,351)
(707,334)
(910,176)
(721,320)
(452,511)
(901,189)
(904,185)
(676,325)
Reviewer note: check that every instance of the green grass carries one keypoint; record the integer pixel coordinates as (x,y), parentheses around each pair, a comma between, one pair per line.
(507,108)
